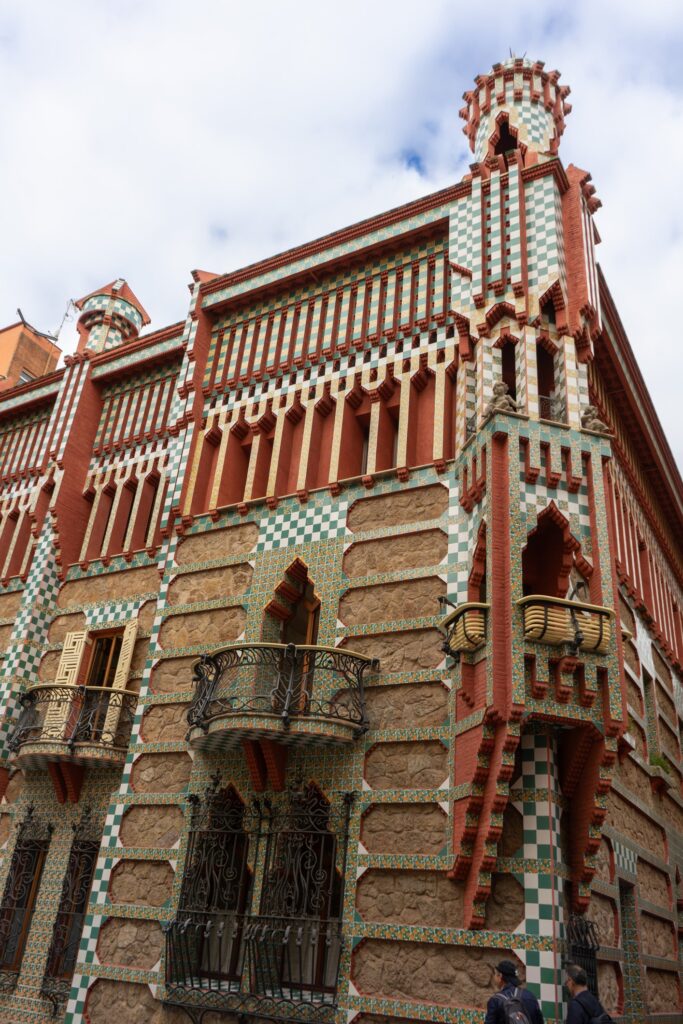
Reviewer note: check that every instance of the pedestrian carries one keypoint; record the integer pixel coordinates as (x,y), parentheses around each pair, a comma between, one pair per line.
(511,1004)
(584,1008)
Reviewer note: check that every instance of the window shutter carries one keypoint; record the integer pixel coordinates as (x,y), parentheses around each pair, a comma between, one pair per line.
(111,721)
(59,709)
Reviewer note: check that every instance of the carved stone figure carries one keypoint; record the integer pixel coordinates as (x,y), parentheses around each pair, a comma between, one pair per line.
(591,421)
(501,400)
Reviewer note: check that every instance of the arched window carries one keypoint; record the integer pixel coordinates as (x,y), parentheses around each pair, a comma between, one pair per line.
(215,891)
(504,141)
(100,517)
(450,409)
(291,441)
(543,560)
(66,933)
(476,583)
(21,891)
(235,464)
(507,138)
(207,462)
(289,947)
(549,554)
(320,447)
(121,517)
(549,407)
(261,455)
(292,617)
(508,368)
(355,439)
(142,534)
(302,902)
(421,418)
(386,409)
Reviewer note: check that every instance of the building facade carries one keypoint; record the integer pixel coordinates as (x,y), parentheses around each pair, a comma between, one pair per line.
(25,353)
(342,627)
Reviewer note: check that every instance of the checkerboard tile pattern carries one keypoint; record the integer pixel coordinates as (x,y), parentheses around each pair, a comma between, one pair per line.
(625,859)
(75,1007)
(542,891)
(20,665)
(537,496)
(461,252)
(112,823)
(312,523)
(116,611)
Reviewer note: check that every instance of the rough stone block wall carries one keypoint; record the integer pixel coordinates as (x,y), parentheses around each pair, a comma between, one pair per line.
(446,975)
(126,943)
(404,828)
(157,825)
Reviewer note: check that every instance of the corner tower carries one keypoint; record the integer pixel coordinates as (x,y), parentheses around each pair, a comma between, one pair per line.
(110,316)
(518,104)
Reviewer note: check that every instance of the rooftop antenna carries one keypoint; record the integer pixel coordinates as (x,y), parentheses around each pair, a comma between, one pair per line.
(68,315)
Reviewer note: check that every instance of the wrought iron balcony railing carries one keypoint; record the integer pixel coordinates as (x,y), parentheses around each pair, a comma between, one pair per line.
(552,407)
(465,628)
(556,621)
(258,689)
(86,721)
(273,967)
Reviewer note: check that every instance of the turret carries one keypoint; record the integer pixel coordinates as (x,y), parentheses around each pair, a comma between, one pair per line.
(518,105)
(110,316)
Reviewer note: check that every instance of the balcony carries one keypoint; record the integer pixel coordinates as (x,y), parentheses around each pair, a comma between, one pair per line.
(556,622)
(294,694)
(278,968)
(80,724)
(465,628)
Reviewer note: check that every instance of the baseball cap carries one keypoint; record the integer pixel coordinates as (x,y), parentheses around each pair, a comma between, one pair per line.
(508,969)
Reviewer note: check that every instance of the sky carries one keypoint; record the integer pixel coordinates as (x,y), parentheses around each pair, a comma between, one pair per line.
(146,138)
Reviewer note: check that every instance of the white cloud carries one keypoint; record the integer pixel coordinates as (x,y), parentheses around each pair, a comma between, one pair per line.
(145,139)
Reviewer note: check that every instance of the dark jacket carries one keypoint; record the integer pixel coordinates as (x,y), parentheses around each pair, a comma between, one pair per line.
(494,1008)
(583,1008)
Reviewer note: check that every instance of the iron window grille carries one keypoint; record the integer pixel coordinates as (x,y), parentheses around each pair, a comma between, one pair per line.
(552,407)
(259,926)
(21,890)
(582,948)
(61,958)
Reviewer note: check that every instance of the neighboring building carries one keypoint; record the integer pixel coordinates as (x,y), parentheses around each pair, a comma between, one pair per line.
(25,354)
(342,819)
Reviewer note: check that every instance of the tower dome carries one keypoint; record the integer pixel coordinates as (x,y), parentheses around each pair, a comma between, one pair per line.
(110,316)
(517,105)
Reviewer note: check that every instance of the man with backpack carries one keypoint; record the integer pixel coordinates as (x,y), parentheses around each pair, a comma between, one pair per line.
(584,1007)
(511,1004)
